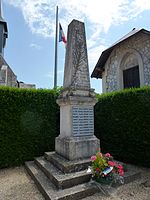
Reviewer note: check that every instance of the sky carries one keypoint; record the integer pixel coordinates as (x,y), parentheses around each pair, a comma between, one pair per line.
(31,38)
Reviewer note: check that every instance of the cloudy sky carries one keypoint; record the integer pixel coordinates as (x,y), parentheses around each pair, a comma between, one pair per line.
(31,25)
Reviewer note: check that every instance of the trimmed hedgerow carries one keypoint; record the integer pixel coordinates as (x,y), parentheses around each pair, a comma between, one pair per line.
(122,123)
(29,123)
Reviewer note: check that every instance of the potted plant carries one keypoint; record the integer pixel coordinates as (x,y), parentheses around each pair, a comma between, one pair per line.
(105,170)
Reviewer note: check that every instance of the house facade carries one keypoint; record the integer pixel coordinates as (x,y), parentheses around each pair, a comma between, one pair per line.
(126,63)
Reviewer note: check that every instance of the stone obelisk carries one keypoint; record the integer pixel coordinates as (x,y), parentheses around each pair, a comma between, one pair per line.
(77,100)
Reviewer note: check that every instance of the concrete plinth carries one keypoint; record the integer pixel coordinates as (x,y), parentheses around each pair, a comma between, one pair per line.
(74,148)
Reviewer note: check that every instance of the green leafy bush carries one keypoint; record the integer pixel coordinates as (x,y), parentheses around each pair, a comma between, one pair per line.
(122,123)
(29,123)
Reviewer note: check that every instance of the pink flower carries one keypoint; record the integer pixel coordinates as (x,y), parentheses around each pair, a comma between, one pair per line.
(121,172)
(107,155)
(119,166)
(111,163)
(93,158)
(100,154)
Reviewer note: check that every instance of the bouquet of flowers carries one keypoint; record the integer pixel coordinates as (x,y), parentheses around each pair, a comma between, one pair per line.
(105,169)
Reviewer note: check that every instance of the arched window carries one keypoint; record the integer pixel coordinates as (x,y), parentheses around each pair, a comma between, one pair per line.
(131,70)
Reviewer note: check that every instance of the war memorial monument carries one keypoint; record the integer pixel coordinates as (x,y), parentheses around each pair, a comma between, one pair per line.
(77,100)
(62,175)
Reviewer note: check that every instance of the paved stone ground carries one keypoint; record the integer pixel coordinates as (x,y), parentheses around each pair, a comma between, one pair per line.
(16,184)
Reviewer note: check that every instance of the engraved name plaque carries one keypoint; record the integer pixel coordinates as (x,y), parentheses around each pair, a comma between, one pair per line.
(82,120)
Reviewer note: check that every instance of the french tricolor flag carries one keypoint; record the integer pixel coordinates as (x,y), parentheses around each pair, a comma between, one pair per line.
(62,37)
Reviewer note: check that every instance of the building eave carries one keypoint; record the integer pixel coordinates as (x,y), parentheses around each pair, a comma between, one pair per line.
(5,26)
(100,66)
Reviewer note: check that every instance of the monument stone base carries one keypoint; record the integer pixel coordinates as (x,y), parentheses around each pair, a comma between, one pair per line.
(73,148)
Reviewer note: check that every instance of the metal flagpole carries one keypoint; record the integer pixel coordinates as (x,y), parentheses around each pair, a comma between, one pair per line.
(56,45)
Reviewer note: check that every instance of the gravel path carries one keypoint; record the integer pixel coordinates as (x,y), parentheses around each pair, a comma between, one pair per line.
(16,184)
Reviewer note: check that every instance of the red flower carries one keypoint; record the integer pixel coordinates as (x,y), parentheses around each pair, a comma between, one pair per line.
(107,155)
(93,158)
(97,170)
(121,172)
(119,166)
(111,163)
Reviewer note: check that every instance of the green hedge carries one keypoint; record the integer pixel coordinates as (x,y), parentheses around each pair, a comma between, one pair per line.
(28,124)
(122,123)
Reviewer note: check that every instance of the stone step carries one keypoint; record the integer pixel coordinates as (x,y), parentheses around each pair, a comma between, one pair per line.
(65,165)
(50,192)
(60,179)
(133,173)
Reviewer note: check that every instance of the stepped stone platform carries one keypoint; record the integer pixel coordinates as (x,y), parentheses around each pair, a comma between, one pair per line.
(59,179)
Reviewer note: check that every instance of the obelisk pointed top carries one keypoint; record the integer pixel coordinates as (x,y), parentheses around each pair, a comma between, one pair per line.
(76,62)
(74,21)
